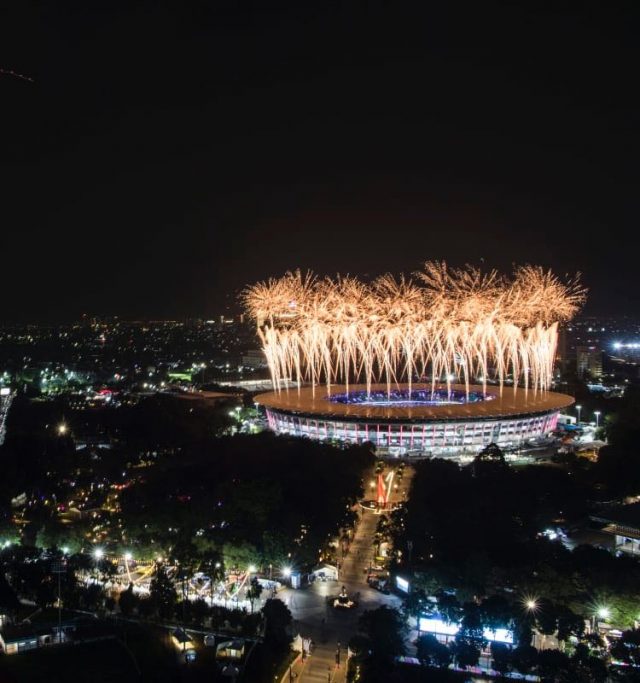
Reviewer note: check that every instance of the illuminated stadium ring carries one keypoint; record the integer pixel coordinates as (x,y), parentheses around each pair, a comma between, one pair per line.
(511,418)
(405,397)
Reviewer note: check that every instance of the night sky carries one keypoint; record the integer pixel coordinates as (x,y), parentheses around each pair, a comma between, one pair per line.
(167,153)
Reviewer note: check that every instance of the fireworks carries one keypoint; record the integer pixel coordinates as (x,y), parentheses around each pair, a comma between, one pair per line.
(444,325)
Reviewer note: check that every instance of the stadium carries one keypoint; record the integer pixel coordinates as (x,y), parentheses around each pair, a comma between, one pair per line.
(440,424)
(445,363)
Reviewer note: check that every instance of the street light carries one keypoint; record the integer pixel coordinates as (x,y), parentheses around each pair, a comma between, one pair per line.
(65,549)
(597,414)
(252,569)
(578,408)
(127,558)
(98,553)
(286,572)
(62,429)
(601,612)
(531,605)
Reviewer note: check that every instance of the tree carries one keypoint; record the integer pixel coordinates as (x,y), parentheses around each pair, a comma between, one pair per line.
(254,591)
(9,602)
(431,652)
(92,597)
(587,667)
(627,647)
(278,620)
(466,652)
(359,645)
(569,624)
(524,658)
(162,593)
(489,461)
(211,563)
(470,638)
(496,612)
(128,601)
(449,608)
(386,629)
(501,657)
(552,664)
(415,604)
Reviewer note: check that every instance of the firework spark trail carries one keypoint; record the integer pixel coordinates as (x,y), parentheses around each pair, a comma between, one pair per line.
(15,74)
(458,324)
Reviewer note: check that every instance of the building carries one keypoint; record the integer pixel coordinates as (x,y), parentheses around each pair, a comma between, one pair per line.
(254,359)
(589,361)
(623,523)
(419,421)
(6,396)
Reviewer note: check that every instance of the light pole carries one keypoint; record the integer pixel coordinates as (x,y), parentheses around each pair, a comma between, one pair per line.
(597,414)
(98,554)
(600,613)
(578,408)
(127,558)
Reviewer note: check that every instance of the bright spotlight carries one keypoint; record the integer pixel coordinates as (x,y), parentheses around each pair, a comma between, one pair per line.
(98,553)
(65,549)
(128,557)
(603,612)
(286,571)
(62,429)
(252,569)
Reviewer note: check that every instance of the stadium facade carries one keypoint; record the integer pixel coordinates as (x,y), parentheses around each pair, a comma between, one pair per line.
(417,421)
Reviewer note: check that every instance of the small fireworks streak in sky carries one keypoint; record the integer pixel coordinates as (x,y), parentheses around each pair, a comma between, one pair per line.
(15,74)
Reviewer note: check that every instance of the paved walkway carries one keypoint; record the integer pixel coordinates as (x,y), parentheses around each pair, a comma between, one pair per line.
(331,629)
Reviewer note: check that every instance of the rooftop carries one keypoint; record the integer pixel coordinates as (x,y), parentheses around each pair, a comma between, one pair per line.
(510,403)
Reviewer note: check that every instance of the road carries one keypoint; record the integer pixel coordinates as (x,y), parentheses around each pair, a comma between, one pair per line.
(332,629)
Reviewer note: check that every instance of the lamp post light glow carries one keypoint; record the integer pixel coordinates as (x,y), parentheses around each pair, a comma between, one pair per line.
(62,429)
(597,414)
(65,549)
(600,613)
(128,557)
(252,569)
(530,603)
(286,572)
(98,553)
(578,408)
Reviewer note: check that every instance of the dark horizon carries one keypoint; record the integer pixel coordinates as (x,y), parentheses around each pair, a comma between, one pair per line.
(164,156)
